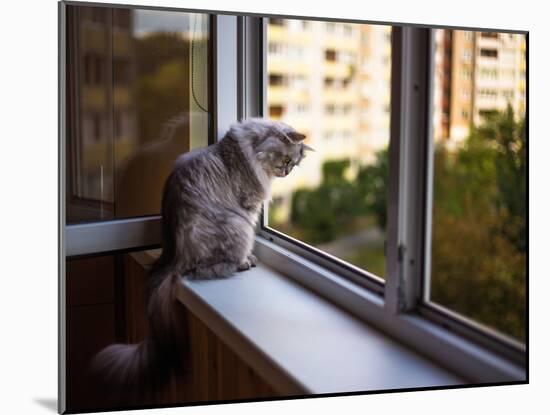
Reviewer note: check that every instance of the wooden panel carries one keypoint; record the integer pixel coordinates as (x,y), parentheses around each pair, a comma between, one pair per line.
(89,329)
(90,281)
(135,297)
(213,371)
(90,325)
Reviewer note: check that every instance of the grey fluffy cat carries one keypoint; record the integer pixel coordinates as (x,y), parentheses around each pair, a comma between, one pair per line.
(210,207)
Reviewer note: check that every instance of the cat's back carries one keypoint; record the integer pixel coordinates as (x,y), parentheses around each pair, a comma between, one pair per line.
(199,162)
(200,172)
(191,158)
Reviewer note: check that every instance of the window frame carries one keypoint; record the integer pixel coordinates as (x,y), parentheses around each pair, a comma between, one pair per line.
(406,313)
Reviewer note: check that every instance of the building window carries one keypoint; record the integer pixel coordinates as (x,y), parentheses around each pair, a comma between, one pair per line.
(491,73)
(277,80)
(508,94)
(466,74)
(275,48)
(276,111)
(488,53)
(330,55)
(276,21)
(488,93)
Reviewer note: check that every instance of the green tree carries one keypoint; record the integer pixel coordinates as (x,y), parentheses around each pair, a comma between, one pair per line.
(325,212)
(372,187)
(478,228)
(508,138)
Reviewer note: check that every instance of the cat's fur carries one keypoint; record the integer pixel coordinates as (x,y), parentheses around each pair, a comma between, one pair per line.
(210,206)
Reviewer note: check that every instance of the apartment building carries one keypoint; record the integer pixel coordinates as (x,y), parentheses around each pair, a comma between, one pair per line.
(330,81)
(476,73)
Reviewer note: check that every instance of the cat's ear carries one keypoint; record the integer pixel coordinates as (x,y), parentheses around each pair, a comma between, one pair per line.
(296,137)
(307,148)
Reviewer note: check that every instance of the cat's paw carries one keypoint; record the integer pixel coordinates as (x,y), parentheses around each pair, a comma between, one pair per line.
(248,263)
(253,260)
(244,266)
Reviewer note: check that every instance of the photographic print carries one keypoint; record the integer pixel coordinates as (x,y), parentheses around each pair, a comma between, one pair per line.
(259,207)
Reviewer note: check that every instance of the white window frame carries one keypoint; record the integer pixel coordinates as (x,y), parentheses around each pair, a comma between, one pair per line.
(401,306)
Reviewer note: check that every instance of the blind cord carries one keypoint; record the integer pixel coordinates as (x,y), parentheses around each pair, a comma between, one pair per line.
(193,65)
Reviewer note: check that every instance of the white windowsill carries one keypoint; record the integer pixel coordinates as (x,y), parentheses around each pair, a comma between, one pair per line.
(299,342)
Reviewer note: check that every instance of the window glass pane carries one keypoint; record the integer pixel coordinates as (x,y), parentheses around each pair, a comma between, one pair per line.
(478,259)
(339,97)
(137,97)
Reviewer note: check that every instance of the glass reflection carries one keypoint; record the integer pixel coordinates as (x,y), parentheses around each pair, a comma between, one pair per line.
(137,98)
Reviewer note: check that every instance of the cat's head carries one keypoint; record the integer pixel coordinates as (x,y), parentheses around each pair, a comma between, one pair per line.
(276,146)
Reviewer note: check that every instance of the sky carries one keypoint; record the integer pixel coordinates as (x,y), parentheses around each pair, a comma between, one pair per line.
(156,20)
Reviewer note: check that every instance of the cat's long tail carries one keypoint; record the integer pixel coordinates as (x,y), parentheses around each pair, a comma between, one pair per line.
(136,371)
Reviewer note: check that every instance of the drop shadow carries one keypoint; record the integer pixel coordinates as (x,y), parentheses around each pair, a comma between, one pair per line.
(48,403)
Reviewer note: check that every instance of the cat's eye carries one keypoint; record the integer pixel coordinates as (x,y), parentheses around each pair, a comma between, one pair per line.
(286,159)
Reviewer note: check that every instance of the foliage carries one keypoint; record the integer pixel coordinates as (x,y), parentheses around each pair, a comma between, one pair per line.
(508,138)
(324,213)
(372,186)
(479,225)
